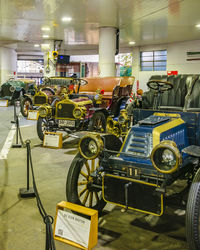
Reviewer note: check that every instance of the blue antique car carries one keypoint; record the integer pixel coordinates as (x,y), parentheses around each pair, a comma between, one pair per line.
(161,148)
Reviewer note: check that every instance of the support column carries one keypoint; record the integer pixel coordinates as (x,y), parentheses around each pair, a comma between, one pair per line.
(8,64)
(49,64)
(136,66)
(107,48)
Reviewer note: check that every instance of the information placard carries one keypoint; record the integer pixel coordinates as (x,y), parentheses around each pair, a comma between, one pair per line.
(52,140)
(33,115)
(3,103)
(73,227)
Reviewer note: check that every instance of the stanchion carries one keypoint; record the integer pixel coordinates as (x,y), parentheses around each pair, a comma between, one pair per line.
(16,121)
(27,192)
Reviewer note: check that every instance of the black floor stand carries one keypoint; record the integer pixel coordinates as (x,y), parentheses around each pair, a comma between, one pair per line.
(28,191)
(16,121)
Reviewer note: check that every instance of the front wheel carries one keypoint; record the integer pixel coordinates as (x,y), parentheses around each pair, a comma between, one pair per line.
(193,214)
(98,122)
(42,127)
(26,105)
(79,188)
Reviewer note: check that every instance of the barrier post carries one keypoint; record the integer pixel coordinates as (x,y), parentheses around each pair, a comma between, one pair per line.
(16,121)
(27,192)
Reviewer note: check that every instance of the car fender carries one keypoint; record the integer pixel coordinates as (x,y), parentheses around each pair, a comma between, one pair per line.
(105,111)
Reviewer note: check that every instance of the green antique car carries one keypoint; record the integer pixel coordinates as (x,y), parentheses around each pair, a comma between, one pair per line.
(14,89)
(52,89)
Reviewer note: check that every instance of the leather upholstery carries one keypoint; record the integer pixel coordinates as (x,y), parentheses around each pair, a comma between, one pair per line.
(174,98)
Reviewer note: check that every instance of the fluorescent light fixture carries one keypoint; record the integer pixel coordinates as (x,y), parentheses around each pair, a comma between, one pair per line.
(45,28)
(36,45)
(198,25)
(66,19)
(45,36)
(132,43)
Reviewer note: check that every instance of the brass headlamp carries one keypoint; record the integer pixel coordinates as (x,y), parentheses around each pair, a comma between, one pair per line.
(45,110)
(166,157)
(112,127)
(78,112)
(123,118)
(90,146)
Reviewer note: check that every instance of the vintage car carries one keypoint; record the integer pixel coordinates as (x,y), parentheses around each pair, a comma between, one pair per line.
(51,89)
(15,89)
(158,163)
(87,107)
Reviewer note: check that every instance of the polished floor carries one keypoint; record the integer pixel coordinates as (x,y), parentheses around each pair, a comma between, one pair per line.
(21,226)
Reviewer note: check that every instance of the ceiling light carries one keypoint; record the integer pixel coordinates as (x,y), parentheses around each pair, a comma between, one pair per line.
(45,28)
(132,43)
(198,25)
(66,19)
(45,36)
(36,45)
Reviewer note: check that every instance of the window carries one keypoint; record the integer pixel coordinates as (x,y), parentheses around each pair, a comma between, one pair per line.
(25,66)
(153,60)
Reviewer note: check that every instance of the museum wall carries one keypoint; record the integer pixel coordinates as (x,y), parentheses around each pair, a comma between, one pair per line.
(176,60)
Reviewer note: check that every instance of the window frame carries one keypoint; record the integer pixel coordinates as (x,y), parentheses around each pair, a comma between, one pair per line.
(142,68)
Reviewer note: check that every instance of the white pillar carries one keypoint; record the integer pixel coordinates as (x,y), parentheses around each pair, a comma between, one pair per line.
(49,64)
(8,64)
(136,66)
(107,49)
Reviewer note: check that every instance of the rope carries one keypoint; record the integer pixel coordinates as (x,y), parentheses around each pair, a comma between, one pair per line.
(48,219)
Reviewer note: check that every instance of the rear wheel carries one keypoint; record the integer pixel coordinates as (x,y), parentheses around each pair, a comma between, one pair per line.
(79,188)
(26,105)
(98,122)
(42,127)
(193,214)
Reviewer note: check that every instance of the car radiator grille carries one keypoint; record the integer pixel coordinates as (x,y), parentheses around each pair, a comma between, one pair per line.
(40,100)
(6,91)
(66,111)
(140,144)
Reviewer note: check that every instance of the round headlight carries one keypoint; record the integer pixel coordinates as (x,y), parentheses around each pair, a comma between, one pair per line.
(166,157)
(45,111)
(77,113)
(42,111)
(12,89)
(121,119)
(90,146)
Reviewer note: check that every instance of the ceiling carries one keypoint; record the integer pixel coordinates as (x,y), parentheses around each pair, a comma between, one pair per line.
(142,21)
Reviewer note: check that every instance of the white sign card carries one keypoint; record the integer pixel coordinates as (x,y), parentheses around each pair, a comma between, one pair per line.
(32,115)
(3,103)
(52,140)
(73,227)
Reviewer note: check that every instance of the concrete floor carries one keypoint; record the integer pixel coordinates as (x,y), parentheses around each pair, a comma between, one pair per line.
(22,227)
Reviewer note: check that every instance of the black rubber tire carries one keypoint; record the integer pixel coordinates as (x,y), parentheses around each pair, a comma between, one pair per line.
(40,131)
(72,184)
(193,214)
(98,116)
(24,100)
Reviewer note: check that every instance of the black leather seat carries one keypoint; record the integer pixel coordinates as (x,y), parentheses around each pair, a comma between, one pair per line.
(192,102)
(173,99)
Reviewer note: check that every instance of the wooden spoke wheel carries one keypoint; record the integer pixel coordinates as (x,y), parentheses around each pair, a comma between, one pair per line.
(26,104)
(80,188)
(98,122)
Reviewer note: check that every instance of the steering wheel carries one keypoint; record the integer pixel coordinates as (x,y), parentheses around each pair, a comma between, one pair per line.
(79,81)
(160,85)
